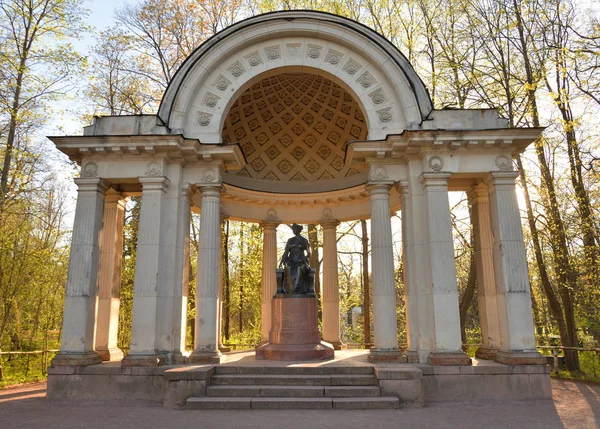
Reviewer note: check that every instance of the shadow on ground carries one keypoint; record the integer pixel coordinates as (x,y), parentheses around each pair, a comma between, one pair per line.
(574,405)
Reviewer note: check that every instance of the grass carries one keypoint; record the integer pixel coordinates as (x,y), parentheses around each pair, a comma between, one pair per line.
(23,369)
(589,363)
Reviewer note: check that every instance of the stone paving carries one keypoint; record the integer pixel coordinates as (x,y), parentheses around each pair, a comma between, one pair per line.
(574,405)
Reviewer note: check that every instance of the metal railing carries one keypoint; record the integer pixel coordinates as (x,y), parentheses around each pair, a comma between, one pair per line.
(44,364)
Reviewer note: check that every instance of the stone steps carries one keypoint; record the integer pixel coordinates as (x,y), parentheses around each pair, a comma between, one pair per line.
(301,380)
(279,403)
(296,370)
(289,387)
(293,391)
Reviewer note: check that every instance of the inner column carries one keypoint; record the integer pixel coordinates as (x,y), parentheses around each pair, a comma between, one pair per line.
(331,288)
(206,341)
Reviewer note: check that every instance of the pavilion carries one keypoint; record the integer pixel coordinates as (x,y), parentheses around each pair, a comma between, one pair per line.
(302,117)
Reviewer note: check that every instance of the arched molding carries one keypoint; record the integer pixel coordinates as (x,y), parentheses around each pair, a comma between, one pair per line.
(392,95)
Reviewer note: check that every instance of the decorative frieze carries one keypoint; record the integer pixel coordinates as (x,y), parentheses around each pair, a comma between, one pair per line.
(504,163)
(211,99)
(333,57)
(210,175)
(314,51)
(436,163)
(273,52)
(204,119)
(271,215)
(385,115)
(377,96)
(293,49)
(351,67)
(153,169)
(236,69)
(254,59)
(378,173)
(366,80)
(89,170)
(222,83)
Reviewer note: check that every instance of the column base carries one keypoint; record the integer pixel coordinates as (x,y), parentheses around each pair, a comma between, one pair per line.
(486,353)
(180,357)
(390,356)
(224,349)
(206,357)
(295,352)
(448,359)
(337,345)
(143,360)
(76,359)
(412,356)
(110,355)
(520,358)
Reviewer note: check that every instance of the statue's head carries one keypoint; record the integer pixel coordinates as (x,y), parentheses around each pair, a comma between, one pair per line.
(296,228)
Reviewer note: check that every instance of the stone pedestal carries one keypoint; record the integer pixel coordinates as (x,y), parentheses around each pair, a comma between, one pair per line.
(294,331)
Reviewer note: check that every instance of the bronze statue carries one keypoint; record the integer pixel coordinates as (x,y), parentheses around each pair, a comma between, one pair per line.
(295,258)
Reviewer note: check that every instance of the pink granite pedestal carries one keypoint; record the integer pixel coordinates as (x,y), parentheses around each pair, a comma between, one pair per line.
(294,331)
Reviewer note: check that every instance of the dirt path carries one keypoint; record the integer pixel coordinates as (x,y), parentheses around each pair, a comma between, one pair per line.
(575,405)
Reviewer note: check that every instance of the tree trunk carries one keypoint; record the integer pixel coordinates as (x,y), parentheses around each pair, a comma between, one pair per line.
(467,297)
(563,268)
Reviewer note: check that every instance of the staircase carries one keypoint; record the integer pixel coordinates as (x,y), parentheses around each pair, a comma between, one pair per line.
(270,388)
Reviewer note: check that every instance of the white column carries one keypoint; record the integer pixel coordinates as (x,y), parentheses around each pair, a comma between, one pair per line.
(442,272)
(206,339)
(331,288)
(484,270)
(510,271)
(269,280)
(410,288)
(384,292)
(182,275)
(149,274)
(77,344)
(109,276)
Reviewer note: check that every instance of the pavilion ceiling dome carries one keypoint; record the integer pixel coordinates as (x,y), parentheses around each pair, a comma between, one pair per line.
(369,68)
(295,127)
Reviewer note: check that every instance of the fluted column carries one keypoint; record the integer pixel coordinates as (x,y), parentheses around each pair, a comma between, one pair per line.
(410,288)
(77,344)
(206,339)
(182,273)
(484,271)
(331,288)
(269,280)
(109,276)
(149,274)
(517,336)
(384,292)
(442,273)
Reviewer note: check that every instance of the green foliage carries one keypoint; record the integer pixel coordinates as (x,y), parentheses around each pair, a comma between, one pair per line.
(245,268)
(130,237)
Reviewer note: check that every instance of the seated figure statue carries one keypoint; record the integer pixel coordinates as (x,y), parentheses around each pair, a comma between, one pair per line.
(295,259)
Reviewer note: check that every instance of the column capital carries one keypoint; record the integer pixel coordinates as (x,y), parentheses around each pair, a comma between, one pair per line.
(435,179)
(501,178)
(113,196)
(160,183)
(329,223)
(404,187)
(94,184)
(375,188)
(269,224)
(478,193)
(212,189)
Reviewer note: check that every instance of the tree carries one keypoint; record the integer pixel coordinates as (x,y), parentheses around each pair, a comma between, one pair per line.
(37,66)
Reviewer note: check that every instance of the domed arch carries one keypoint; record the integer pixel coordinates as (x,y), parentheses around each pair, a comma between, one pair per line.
(393,97)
